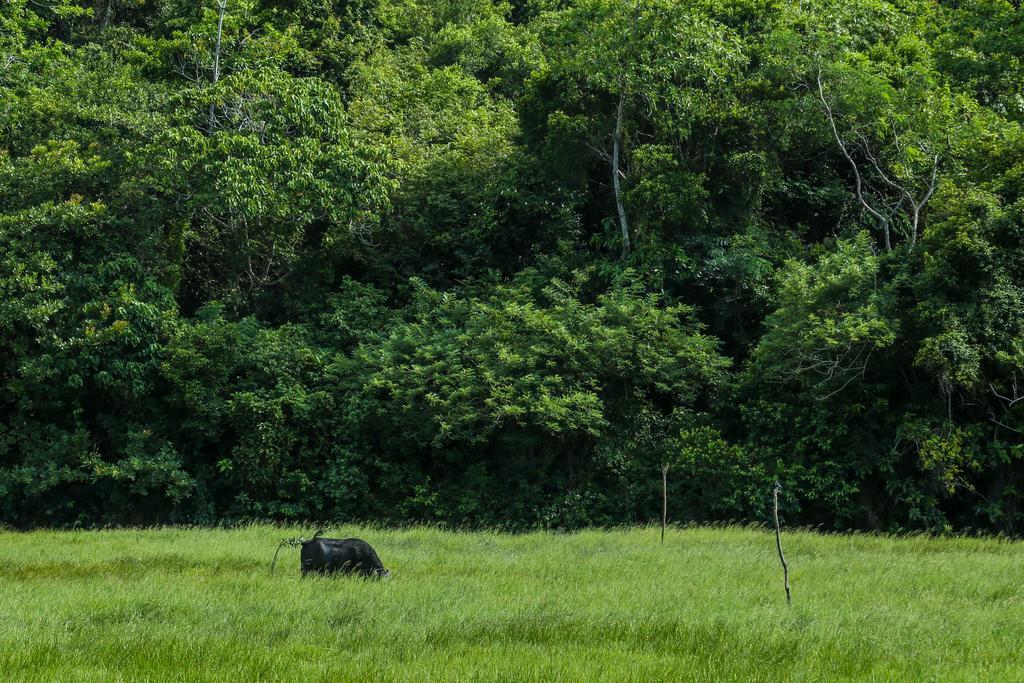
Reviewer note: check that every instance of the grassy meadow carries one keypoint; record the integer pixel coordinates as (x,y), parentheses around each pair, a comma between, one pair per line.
(197,604)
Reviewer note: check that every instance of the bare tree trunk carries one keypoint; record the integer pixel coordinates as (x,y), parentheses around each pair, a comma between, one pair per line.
(616,152)
(664,499)
(932,185)
(914,206)
(778,544)
(222,6)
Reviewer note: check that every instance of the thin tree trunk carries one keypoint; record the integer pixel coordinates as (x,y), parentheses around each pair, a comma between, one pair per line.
(664,499)
(778,544)
(616,152)
(221,8)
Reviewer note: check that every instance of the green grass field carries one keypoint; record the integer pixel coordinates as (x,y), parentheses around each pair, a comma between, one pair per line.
(192,604)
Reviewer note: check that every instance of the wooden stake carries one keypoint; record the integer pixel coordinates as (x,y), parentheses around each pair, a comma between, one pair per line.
(664,499)
(778,545)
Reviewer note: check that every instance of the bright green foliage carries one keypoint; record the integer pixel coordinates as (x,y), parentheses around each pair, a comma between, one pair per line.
(832,319)
(497,390)
(364,259)
(276,176)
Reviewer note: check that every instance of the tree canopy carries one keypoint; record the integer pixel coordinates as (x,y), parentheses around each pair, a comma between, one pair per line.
(494,262)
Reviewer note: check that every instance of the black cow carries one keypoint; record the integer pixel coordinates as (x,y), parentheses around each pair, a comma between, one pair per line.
(343,555)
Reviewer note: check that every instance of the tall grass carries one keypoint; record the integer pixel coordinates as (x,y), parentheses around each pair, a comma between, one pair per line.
(194,604)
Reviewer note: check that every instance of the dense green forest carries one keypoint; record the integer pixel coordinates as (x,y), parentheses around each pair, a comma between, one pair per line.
(496,263)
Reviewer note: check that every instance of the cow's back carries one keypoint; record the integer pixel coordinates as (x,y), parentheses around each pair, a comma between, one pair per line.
(329,555)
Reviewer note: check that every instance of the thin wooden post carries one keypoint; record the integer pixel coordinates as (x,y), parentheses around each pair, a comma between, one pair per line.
(778,544)
(664,499)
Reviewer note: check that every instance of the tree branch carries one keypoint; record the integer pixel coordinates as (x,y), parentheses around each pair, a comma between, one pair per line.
(616,151)
(222,6)
(853,164)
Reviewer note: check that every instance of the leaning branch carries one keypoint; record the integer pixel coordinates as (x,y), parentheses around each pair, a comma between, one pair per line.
(910,205)
(916,206)
(1004,426)
(778,544)
(853,164)
(1010,401)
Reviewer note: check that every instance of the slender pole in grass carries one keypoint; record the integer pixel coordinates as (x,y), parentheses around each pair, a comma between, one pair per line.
(778,544)
(664,499)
